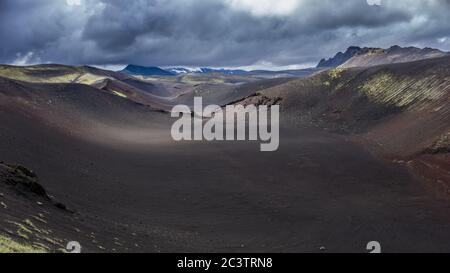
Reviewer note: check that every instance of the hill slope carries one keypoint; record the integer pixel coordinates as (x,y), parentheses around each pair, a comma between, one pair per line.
(55,73)
(403,108)
(120,84)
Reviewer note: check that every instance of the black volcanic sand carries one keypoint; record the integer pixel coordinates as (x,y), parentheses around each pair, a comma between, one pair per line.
(319,192)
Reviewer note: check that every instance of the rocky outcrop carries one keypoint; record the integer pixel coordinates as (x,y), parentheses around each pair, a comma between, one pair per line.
(25,182)
(22,179)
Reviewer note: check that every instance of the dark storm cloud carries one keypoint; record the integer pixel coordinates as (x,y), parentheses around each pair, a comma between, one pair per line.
(211,32)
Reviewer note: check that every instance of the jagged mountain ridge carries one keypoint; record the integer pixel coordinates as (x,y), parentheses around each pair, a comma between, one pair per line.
(340,58)
(368,56)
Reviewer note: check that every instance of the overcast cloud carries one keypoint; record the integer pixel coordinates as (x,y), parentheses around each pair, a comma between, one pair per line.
(227,33)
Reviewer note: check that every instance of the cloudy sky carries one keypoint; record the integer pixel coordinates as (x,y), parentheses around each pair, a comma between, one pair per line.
(219,33)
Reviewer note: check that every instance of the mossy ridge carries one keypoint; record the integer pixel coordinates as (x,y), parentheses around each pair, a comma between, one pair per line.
(28,231)
(336,73)
(386,88)
(403,91)
(338,79)
(8,245)
(50,74)
(54,73)
(90,79)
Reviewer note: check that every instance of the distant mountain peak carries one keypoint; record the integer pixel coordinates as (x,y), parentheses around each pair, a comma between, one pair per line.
(395,47)
(138,70)
(206,70)
(353,48)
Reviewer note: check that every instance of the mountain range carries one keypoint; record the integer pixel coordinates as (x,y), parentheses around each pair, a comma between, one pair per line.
(354,56)
(136,70)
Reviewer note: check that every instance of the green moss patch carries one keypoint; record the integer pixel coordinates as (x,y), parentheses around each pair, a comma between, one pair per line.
(8,245)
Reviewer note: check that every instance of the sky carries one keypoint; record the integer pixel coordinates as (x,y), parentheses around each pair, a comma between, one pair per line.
(271,34)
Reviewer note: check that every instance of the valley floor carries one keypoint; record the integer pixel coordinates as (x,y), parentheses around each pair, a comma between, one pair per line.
(318,192)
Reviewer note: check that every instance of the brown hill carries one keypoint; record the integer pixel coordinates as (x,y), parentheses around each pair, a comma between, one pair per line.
(159,93)
(403,108)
